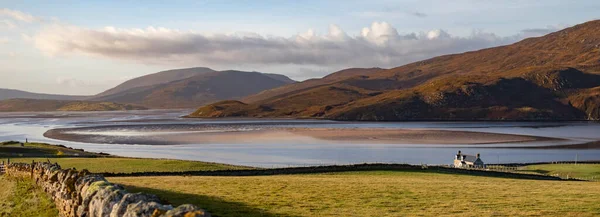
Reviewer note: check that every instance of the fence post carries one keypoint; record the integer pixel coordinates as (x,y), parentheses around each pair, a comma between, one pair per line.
(32,163)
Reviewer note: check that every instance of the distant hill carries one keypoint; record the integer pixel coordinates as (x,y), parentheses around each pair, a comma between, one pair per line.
(38,105)
(155,79)
(11,94)
(189,88)
(554,77)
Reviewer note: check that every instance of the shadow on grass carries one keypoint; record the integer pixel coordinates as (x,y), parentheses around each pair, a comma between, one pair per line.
(545,172)
(341,168)
(214,205)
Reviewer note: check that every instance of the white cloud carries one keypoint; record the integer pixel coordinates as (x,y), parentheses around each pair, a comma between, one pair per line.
(8,24)
(18,15)
(4,40)
(377,45)
(437,34)
(535,32)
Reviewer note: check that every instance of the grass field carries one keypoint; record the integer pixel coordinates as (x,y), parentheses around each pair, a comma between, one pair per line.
(20,198)
(586,171)
(129,165)
(374,194)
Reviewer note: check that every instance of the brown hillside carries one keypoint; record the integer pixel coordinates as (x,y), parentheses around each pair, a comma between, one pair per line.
(554,77)
(291,89)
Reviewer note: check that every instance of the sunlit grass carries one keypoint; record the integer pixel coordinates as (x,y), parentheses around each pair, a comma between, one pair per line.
(584,171)
(21,198)
(374,194)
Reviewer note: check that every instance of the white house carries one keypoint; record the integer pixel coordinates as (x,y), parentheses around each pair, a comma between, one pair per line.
(468,161)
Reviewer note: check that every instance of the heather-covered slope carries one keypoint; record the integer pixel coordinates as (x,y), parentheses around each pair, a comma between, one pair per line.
(290,89)
(554,77)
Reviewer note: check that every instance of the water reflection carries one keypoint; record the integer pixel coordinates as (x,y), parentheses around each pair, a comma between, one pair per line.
(18,126)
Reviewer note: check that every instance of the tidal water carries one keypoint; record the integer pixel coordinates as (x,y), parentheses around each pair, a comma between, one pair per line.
(18,126)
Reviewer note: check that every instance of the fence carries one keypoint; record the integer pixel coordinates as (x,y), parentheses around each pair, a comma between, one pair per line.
(2,170)
(518,168)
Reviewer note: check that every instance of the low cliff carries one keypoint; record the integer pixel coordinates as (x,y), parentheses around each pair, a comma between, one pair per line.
(80,193)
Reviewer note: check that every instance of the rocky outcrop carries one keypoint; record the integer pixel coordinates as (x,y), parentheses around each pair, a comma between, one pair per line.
(80,193)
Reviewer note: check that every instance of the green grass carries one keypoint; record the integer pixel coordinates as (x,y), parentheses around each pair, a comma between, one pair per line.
(20,198)
(373,194)
(585,171)
(14,149)
(129,165)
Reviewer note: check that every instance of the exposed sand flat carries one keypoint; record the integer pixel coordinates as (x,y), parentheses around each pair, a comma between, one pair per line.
(412,136)
(303,135)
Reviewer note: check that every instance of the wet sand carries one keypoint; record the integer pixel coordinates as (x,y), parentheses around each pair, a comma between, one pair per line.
(299,136)
(589,145)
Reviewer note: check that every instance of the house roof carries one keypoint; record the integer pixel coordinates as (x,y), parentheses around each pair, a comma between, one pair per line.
(470,158)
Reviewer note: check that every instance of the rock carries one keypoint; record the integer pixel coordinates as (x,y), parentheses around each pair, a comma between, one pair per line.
(120,208)
(145,209)
(186,210)
(105,198)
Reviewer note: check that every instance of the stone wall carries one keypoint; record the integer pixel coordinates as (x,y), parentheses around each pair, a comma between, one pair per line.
(80,193)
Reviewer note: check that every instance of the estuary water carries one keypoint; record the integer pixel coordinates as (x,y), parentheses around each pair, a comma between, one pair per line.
(109,128)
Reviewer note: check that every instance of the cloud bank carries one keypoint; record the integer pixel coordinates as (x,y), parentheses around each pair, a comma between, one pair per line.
(380,44)
(18,15)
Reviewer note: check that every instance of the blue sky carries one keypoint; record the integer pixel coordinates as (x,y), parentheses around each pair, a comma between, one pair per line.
(84,47)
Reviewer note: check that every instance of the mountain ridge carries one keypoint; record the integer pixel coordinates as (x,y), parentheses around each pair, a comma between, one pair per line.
(552,77)
(190,87)
(13,93)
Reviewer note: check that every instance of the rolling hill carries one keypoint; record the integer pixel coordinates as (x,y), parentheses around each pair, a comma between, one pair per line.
(11,94)
(43,105)
(553,77)
(189,88)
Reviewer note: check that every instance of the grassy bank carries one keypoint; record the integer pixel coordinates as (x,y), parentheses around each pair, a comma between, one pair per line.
(98,162)
(20,198)
(131,165)
(17,149)
(585,171)
(373,194)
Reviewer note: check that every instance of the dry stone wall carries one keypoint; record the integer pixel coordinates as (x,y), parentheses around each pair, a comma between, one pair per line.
(82,194)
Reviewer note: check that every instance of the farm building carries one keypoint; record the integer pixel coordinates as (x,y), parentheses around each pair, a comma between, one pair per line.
(468,161)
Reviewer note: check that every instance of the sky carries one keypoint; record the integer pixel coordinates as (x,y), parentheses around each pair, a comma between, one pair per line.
(86,47)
